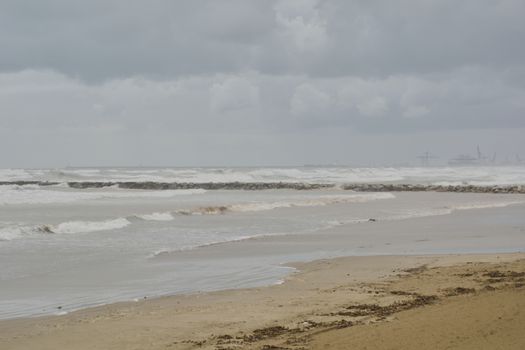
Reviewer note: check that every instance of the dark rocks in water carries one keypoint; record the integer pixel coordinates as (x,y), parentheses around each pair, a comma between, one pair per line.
(45,229)
(90,184)
(24,183)
(257,186)
(250,186)
(433,188)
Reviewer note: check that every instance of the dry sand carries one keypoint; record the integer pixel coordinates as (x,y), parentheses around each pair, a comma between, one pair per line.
(385,302)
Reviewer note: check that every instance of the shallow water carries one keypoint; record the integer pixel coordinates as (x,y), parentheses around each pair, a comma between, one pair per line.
(63,249)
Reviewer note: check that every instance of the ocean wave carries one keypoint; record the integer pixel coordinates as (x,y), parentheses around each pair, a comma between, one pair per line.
(14,174)
(19,231)
(10,233)
(152,194)
(447,210)
(304,202)
(227,240)
(166,216)
(487,205)
(15,232)
(476,175)
(87,226)
(70,227)
(166,251)
(35,194)
(407,214)
(402,215)
(313,202)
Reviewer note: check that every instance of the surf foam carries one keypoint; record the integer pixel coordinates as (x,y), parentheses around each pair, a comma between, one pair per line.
(34,194)
(89,226)
(156,216)
(476,175)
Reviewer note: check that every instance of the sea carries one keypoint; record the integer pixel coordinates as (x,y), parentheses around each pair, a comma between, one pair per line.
(65,248)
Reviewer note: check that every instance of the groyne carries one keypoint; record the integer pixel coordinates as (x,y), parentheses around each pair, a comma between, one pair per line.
(257,186)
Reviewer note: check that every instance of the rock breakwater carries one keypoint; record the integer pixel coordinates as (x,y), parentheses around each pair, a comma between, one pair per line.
(253,186)
(257,186)
(434,188)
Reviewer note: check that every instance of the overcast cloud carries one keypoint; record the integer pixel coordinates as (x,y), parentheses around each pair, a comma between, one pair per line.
(240,82)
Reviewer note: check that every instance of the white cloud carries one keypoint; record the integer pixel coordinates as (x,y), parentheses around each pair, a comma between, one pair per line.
(415,111)
(301,24)
(310,100)
(373,107)
(39,100)
(368,97)
(234,93)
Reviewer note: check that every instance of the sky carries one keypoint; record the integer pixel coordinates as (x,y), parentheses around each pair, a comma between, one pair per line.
(252,82)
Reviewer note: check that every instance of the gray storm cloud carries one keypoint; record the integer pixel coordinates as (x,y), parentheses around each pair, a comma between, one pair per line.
(252,82)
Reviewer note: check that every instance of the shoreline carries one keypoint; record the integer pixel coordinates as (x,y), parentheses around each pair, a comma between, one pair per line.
(309,301)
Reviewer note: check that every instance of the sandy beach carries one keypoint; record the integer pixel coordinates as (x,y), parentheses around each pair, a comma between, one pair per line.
(381,302)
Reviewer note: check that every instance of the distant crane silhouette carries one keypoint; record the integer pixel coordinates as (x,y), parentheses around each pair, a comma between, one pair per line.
(481,156)
(426,157)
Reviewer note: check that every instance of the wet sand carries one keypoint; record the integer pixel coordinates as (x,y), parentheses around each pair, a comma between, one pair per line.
(381,302)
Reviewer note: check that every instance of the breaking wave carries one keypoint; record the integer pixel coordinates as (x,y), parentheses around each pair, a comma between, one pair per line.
(476,175)
(487,205)
(312,202)
(306,202)
(166,216)
(71,227)
(264,206)
(89,226)
(14,232)
(335,223)
(412,214)
(10,233)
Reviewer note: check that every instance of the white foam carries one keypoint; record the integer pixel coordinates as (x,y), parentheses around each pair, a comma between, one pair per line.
(306,201)
(150,194)
(89,226)
(156,216)
(487,205)
(10,233)
(34,194)
(14,231)
(418,213)
(310,202)
(476,175)
(224,240)
(14,175)
(411,214)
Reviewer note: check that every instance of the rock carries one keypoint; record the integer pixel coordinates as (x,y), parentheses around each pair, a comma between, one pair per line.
(257,186)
